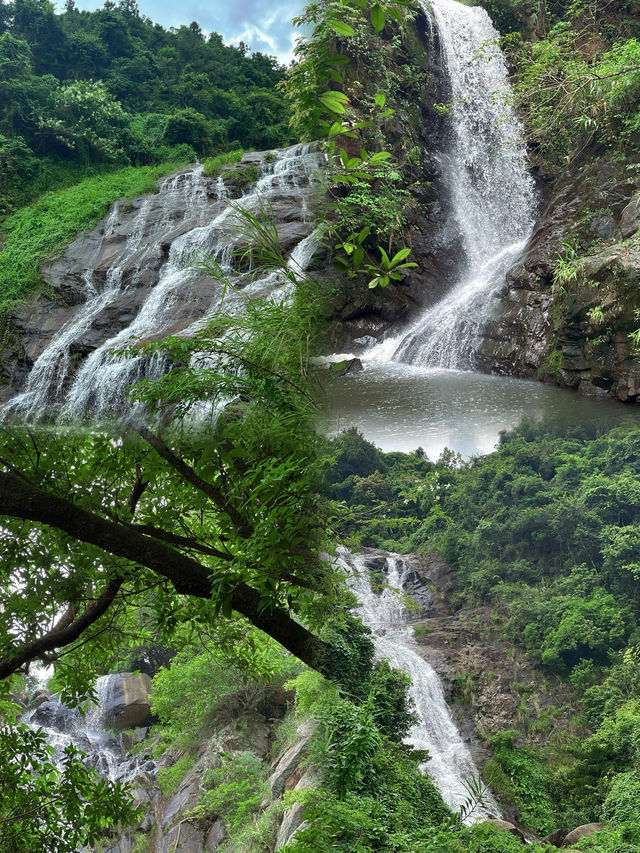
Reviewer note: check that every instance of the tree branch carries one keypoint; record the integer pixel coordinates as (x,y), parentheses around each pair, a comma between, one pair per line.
(192,477)
(181,541)
(20,499)
(66,630)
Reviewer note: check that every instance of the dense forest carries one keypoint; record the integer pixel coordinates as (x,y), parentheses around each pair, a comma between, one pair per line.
(82,90)
(194,539)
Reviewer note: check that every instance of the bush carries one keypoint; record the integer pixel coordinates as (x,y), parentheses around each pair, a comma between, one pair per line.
(234,791)
(213,165)
(169,778)
(35,233)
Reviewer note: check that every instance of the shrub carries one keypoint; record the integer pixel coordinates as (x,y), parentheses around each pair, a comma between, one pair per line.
(213,165)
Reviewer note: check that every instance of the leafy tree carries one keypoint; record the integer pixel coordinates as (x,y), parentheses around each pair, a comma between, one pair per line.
(48,811)
(192,127)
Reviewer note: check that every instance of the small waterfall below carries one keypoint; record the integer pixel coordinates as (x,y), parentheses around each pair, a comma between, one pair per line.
(171,232)
(450,762)
(484,167)
(89,733)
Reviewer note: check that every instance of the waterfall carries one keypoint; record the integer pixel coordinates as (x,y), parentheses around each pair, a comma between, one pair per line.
(484,169)
(65,727)
(182,217)
(450,763)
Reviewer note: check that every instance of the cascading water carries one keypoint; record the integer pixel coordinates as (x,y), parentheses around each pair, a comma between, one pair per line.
(65,727)
(179,300)
(450,764)
(484,167)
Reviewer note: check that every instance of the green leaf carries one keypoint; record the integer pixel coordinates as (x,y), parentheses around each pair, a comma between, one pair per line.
(362,235)
(400,256)
(377,18)
(340,27)
(332,104)
(361,124)
(380,100)
(379,157)
(335,129)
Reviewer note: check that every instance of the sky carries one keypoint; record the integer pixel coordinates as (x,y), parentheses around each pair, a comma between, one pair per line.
(264,25)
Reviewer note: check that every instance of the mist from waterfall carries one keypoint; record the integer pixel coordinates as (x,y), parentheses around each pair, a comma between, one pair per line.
(484,170)
(450,764)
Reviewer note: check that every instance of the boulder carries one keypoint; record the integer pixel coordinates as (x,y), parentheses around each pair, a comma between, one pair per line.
(630,218)
(39,697)
(52,714)
(505,825)
(556,838)
(126,701)
(584,831)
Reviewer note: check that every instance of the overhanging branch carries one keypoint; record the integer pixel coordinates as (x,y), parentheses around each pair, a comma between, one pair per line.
(21,499)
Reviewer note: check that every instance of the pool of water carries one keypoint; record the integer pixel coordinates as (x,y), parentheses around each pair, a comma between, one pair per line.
(401,407)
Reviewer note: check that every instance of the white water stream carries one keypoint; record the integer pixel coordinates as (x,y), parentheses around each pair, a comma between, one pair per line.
(99,386)
(65,727)
(450,764)
(484,169)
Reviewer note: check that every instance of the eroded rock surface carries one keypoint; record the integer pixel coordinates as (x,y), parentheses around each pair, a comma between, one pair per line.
(571,303)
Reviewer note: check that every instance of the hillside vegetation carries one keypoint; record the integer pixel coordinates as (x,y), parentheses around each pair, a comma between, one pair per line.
(83,90)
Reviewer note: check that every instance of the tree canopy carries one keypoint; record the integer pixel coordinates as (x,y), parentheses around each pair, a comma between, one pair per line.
(82,89)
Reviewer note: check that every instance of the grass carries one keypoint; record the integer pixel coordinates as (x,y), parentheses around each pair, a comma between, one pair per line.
(213,165)
(35,233)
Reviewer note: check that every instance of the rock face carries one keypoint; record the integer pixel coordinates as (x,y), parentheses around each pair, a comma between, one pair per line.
(99,290)
(126,700)
(416,580)
(571,303)
(168,824)
(290,761)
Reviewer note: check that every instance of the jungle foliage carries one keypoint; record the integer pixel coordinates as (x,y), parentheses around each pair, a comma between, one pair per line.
(357,75)
(82,90)
(577,76)
(544,533)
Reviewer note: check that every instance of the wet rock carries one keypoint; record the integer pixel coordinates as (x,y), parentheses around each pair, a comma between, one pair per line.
(130,247)
(52,714)
(507,826)
(415,582)
(342,368)
(584,831)
(556,838)
(126,700)
(38,698)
